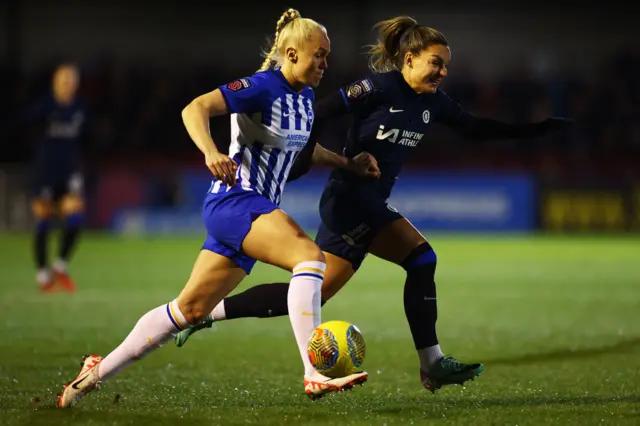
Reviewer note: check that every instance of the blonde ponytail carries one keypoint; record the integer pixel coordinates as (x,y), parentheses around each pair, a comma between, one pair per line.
(286,17)
(290,28)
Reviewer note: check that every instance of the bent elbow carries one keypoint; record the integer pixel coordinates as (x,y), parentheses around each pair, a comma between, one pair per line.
(186,110)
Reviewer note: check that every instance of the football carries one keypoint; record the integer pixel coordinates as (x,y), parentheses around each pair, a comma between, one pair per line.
(336,349)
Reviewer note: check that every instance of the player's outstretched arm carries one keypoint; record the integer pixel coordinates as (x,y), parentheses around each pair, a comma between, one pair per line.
(485,128)
(454,116)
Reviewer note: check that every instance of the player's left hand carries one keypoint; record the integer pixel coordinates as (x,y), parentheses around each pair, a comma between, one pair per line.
(365,165)
(555,124)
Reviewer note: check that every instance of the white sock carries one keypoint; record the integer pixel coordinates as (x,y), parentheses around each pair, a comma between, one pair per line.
(60,265)
(429,356)
(303,301)
(43,276)
(218,313)
(152,331)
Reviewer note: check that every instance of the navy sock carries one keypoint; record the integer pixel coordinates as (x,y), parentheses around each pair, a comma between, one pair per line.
(261,301)
(40,241)
(70,235)
(420,304)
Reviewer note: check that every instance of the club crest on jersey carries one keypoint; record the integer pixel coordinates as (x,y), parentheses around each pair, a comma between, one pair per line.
(310,116)
(359,88)
(238,85)
(426,116)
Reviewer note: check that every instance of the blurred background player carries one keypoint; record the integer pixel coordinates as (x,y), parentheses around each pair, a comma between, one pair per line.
(271,115)
(57,178)
(392,111)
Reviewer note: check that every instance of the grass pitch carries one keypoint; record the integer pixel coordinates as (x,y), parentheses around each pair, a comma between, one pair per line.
(556,320)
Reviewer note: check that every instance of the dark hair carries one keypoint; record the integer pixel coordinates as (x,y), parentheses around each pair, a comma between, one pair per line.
(396,37)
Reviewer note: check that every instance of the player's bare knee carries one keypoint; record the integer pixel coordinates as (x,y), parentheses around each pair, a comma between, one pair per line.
(308,251)
(193,309)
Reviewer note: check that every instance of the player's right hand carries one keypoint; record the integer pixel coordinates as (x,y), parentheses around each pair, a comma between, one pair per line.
(366,165)
(222,167)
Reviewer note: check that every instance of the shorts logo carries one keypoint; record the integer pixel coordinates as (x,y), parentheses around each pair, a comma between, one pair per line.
(356,234)
(348,239)
(426,116)
(238,85)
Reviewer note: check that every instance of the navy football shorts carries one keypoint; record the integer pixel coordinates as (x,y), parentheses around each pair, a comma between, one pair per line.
(351,218)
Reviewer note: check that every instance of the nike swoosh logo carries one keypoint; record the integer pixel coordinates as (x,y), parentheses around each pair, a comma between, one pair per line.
(286,114)
(75,385)
(395,110)
(307,314)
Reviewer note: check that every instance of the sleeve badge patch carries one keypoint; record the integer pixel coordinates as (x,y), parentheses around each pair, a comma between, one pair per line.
(238,85)
(359,88)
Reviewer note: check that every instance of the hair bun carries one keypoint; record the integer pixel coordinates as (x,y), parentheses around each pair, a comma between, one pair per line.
(290,15)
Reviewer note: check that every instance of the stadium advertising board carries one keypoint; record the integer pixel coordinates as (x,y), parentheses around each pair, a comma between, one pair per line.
(432,201)
(614,207)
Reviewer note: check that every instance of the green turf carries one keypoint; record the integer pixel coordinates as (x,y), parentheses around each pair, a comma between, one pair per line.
(555,320)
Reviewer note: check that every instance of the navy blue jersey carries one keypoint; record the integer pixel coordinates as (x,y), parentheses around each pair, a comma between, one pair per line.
(390,120)
(62,126)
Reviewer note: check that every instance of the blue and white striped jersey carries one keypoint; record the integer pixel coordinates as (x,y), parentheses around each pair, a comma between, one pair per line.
(270,124)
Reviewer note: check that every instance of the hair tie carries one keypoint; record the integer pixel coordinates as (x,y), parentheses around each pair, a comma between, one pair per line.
(406,33)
